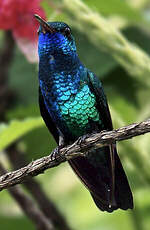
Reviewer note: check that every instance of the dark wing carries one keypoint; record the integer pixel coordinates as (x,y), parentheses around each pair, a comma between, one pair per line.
(122,193)
(47,118)
(102,171)
(101,101)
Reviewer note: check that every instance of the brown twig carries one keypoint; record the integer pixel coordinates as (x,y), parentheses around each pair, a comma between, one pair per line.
(76,149)
(41,222)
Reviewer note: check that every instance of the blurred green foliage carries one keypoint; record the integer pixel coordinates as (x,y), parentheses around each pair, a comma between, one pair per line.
(128,98)
(116,7)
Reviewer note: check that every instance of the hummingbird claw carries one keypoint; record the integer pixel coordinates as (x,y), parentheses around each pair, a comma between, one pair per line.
(55,153)
(81,140)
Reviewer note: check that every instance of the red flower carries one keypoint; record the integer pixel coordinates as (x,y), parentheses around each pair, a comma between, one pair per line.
(18,16)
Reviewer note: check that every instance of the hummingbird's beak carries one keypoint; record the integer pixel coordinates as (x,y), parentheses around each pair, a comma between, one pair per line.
(44,25)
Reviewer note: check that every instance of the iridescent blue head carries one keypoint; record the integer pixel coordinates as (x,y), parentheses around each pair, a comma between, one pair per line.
(55,39)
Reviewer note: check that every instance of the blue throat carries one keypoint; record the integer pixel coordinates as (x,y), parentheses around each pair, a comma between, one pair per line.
(57,53)
(57,63)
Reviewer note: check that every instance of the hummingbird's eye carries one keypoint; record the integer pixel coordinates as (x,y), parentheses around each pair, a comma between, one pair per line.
(67,32)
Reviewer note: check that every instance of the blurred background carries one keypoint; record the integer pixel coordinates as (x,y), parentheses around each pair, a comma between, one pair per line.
(113,40)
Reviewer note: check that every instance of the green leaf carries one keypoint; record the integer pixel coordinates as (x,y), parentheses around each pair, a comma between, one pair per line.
(116,7)
(17,222)
(21,112)
(16,129)
(38,141)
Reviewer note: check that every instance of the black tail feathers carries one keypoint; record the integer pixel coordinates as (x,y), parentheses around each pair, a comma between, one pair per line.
(122,194)
(96,173)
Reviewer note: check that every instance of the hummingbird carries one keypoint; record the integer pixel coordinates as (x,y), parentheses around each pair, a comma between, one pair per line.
(73,104)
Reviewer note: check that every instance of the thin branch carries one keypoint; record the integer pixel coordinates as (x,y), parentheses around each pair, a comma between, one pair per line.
(41,222)
(76,149)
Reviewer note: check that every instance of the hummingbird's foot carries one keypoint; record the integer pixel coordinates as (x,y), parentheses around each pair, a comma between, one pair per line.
(56,153)
(81,140)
